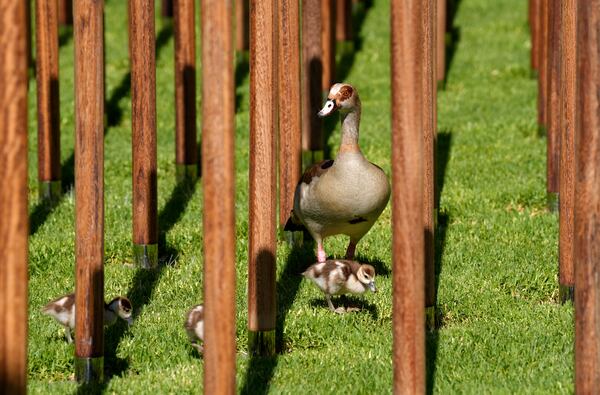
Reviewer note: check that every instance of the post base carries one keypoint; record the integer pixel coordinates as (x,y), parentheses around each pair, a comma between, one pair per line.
(430,318)
(552,200)
(566,293)
(186,173)
(261,343)
(310,157)
(145,255)
(89,370)
(49,192)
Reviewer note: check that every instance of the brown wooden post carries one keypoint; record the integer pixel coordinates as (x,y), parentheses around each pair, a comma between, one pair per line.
(290,114)
(328,42)
(441,40)
(553,105)
(429,97)
(48,105)
(543,66)
(143,124)
(89,190)
(242,18)
(407,197)
(343,20)
(312,77)
(13,197)
(587,202)
(534,29)
(263,131)
(218,108)
(567,99)
(166,8)
(65,12)
(186,155)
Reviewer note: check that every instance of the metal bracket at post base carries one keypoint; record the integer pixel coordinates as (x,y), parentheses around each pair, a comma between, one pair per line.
(261,343)
(186,173)
(145,255)
(310,157)
(49,192)
(89,370)
(566,293)
(430,318)
(552,200)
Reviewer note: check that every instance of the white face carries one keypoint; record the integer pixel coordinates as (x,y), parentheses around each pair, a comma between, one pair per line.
(328,108)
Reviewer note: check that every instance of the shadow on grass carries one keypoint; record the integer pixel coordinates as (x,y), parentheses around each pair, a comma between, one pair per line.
(260,369)
(359,304)
(444,145)
(242,68)
(452,37)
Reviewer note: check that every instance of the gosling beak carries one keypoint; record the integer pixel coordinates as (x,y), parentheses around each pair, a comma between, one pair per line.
(372,286)
(328,108)
(129,321)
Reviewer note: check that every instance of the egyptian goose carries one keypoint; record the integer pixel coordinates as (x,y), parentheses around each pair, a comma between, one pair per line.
(63,310)
(340,276)
(345,196)
(194,326)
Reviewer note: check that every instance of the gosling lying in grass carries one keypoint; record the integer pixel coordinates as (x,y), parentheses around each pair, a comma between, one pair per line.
(63,310)
(194,326)
(341,276)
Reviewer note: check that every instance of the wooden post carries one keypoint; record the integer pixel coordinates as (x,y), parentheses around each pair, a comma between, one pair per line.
(441,40)
(407,197)
(567,99)
(312,77)
(263,129)
(543,66)
(587,202)
(553,105)
(13,197)
(328,42)
(143,123)
(186,155)
(218,108)
(534,29)
(65,12)
(429,97)
(343,20)
(290,113)
(48,105)
(89,190)
(166,8)
(242,16)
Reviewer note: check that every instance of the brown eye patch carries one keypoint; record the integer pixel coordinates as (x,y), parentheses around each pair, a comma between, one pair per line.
(345,92)
(126,304)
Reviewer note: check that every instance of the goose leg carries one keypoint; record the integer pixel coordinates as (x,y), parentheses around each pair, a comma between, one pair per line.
(351,249)
(321,255)
(68,332)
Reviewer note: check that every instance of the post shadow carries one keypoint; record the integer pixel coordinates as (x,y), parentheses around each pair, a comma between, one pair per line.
(454,36)
(242,69)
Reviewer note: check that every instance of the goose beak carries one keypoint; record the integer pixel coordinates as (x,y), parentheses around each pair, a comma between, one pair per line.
(328,108)
(372,286)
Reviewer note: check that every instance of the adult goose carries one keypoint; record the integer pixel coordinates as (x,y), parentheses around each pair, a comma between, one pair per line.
(345,196)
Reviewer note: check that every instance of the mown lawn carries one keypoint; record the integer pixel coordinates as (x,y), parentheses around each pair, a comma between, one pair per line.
(501,328)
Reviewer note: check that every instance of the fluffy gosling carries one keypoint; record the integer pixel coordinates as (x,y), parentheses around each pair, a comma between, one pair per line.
(194,326)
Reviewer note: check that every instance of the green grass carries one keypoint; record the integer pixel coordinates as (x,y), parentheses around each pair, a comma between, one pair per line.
(502,330)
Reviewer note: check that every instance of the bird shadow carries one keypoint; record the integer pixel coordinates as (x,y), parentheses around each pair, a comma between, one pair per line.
(353,303)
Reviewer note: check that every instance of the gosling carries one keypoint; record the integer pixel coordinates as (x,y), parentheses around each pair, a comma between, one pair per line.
(194,326)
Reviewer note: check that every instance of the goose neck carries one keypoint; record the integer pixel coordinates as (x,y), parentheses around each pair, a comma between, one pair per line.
(350,124)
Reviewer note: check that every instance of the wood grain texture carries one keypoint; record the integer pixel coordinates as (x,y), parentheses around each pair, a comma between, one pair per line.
(290,112)
(312,76)
(587,203)
(65,12)
(441,39)
(89,178)
(343,20)
(48,105)
(143,122)
(407,197)
(552,103)
(534,29)
(242,19)
(429,97)
(186,148)
(13,197)
(543,64)
(218,107)
(328,42)
(567,104)
(262,195)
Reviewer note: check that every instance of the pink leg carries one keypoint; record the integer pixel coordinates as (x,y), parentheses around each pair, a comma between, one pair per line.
(321,255)
(351,249)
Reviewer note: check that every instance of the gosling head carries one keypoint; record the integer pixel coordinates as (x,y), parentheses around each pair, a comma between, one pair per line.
(366,275)
(121,306)
(342,97)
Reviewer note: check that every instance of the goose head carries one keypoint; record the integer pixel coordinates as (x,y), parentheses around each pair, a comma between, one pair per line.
(342,97)
(366,275)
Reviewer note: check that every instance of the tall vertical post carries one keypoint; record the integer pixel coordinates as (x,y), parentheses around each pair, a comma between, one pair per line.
(48,106)
(143,124)
(552,104)
(13,197)
(534,29)
(587,203)
(567,100)
(328,42)
(166,8)
(408,353)
(89,191)
(543,66)
(312,77)
(242,18)
(429,97)
(441,40)
(186,155)
(343,20)
(263,130)
(65,12)
(290,113)
(218,108)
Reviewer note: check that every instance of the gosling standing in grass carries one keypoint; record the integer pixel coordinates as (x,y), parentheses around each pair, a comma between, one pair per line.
(63,310)
(340,276)
(194,326)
